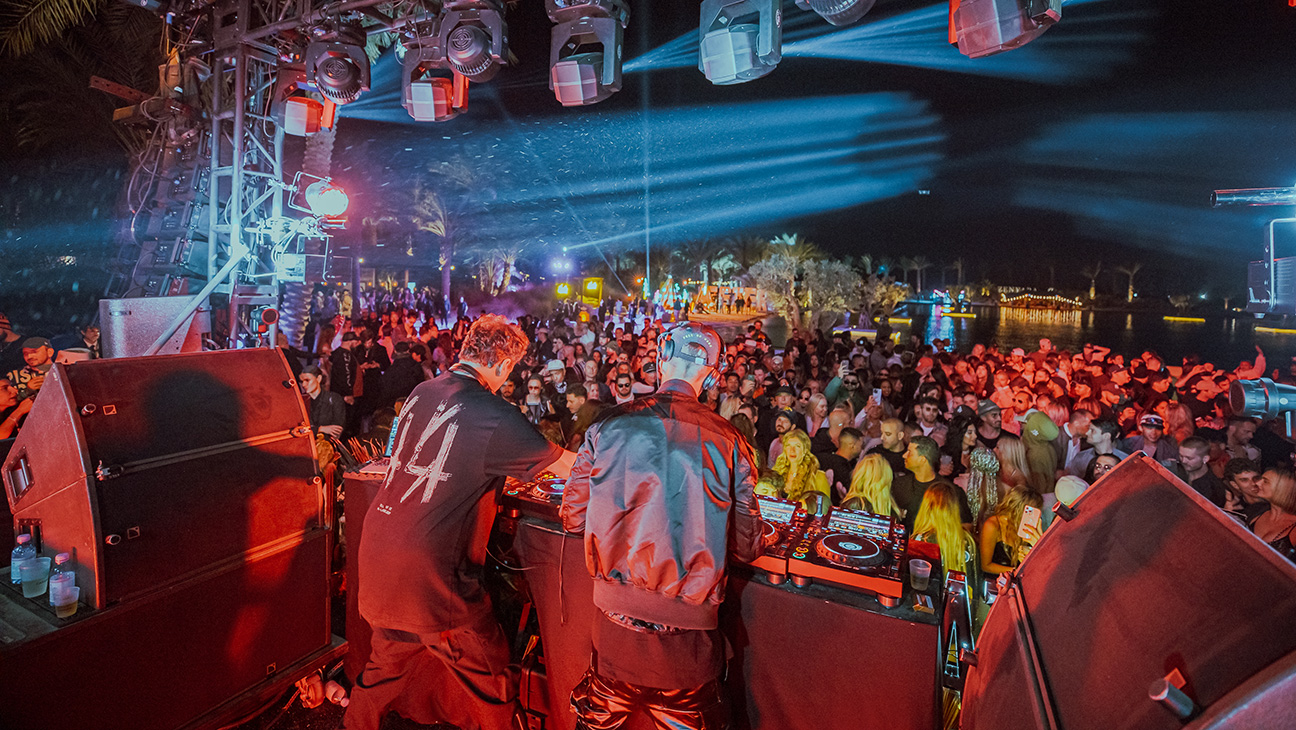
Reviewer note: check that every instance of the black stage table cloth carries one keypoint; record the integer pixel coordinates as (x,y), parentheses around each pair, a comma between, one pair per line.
(817,658)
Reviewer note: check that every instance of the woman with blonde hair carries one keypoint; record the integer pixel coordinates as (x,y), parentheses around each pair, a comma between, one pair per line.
(1275,525)
(938,522)
(1014,471)
(816,413)
(802,477)
(1179,422)
(870,487)
(1002,549)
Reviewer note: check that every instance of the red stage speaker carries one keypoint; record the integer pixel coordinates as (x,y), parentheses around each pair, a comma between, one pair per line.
(185,486)
(1148,580)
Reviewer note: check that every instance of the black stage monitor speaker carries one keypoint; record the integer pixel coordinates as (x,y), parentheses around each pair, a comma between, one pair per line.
(1147,581)
(151,469)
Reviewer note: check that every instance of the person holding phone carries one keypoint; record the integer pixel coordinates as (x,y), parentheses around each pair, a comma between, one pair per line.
(1011,531)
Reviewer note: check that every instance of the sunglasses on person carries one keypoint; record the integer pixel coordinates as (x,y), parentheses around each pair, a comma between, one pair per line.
(533,387)
(851,383)
(623,384)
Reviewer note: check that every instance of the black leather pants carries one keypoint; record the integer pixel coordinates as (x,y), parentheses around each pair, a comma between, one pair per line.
(605,704)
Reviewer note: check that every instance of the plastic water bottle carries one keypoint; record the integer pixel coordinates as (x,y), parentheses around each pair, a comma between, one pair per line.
(61,579)
(21,554)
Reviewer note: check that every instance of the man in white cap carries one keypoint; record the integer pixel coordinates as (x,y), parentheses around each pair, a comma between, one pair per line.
(556,387)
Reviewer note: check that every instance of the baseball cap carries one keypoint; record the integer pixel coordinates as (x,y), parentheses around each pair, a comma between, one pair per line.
(32,343)
(987,406)
(1112,388)
(649,367)
(1152,419)
(555,365)
(784,389)
(1018,351)
(350,337)
(1069,488)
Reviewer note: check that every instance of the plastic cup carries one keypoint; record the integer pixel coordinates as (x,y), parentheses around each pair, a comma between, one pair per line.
(35,577)
(919,574)
(71,595)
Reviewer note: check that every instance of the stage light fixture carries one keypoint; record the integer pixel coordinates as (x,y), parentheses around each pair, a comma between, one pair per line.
(986,27)
(336,63)
(838,12)
(472,38)
(326,199)
(739,40)
(585,49)
(432,90)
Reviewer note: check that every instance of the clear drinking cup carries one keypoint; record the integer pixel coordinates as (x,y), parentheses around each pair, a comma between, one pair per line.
(919,574)
(35,577)
(69,605)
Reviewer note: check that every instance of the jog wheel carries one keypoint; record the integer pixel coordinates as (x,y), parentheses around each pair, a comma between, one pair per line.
(852,551)
(549,487)
(769,534)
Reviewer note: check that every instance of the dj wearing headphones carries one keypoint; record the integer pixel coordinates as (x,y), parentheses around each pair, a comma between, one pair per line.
(662,488)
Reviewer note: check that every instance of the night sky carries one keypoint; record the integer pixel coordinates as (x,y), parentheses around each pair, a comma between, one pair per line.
(1101,140)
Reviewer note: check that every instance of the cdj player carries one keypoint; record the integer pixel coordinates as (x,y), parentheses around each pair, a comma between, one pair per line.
(541,497)
(852,549)
(782,525)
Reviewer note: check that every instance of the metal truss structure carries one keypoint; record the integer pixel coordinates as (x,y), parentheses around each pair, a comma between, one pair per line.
(209,195)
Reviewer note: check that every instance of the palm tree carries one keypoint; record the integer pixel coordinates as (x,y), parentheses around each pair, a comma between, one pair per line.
(1130,271)
(747,250)
(957,265)
(906,265)
(920,264)
(444,201)
(796,248)
(1091,273)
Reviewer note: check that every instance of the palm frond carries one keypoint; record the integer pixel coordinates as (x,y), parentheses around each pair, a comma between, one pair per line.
(28,24)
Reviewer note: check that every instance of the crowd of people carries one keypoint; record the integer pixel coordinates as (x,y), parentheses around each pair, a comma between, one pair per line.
(956,444)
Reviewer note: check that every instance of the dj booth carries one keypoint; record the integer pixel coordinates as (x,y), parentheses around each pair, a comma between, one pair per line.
(816,657)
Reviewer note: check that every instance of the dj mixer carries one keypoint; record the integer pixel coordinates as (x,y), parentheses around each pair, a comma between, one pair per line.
(541,497)
(852,549)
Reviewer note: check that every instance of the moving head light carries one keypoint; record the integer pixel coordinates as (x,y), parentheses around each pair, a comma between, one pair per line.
(838,12)
(739,40)
(473,38)
(986,27)
(336,63)
(585,49)
(431,89)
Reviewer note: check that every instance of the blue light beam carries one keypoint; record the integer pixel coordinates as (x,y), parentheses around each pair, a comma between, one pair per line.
(1145,178)
(564,181)
(1087,44)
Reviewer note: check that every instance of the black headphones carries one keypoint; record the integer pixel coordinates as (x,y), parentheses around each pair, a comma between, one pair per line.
(666,350)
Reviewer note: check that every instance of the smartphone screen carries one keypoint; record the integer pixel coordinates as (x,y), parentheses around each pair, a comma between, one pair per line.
(1030,517)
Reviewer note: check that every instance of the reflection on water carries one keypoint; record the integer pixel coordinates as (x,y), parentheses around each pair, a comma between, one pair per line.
(1225,341)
